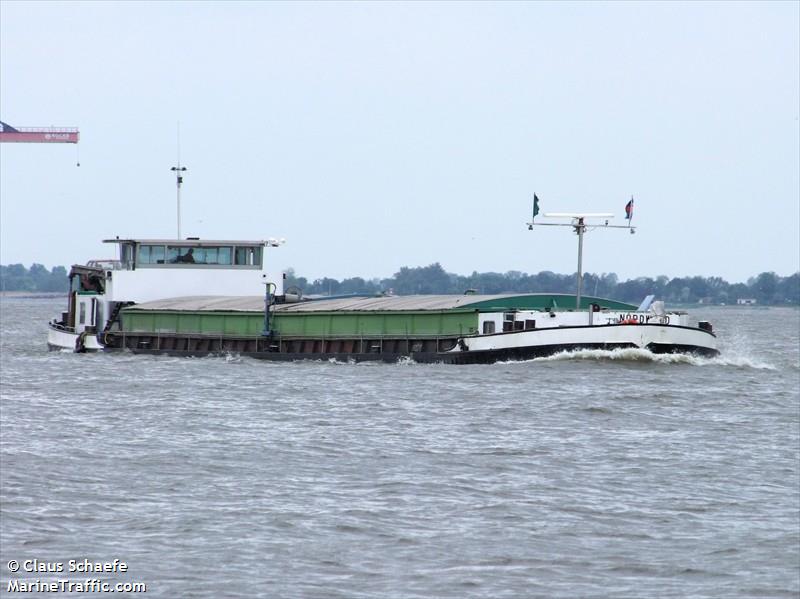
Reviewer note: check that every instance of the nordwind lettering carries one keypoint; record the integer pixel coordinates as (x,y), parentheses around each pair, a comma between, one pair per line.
(632,318)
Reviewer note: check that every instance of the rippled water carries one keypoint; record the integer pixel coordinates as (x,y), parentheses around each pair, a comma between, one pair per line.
(600,474)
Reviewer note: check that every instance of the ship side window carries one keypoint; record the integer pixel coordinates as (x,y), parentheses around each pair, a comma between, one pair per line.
(212,255)
(202,254)
(199,255)
(243,256)
(151,254)
(157,254)
(224,255)
(508,321)
(126,253)
(248,256)
(180,255)
(207,255)
(488,327)
(82,316)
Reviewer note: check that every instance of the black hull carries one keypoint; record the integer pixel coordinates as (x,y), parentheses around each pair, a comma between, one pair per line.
(464,357)
(663,348)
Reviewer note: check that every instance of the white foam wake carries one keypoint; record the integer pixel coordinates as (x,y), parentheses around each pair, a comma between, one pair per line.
(644,355)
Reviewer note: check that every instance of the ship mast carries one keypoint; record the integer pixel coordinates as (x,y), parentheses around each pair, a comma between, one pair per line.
(579,225)
(179,170)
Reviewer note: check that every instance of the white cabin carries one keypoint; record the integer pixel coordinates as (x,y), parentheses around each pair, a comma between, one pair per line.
(153,269)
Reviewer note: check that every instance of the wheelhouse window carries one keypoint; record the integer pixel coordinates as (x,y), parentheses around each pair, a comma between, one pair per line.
(199,255)
(126,253)
(177,254)
(213,255)
(151,254)
(248,256)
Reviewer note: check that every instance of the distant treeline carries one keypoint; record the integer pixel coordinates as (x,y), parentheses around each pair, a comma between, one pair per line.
(15,277)
(766,288)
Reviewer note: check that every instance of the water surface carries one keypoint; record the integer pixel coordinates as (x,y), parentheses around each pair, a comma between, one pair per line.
(599,474)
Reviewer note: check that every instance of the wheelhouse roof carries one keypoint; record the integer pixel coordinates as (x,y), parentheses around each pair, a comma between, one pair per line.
(189,242)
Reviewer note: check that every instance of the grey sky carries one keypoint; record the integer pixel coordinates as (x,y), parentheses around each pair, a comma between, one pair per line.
(377,135)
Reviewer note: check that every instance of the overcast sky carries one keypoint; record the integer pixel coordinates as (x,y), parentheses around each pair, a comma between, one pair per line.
(377,135)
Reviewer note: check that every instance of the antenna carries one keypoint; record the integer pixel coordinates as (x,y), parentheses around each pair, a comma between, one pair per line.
(179,170)
(579,224)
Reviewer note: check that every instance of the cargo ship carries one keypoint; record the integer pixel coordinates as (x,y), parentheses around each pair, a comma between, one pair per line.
(193,297)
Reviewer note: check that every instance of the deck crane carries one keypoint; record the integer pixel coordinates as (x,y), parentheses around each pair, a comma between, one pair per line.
(47,135)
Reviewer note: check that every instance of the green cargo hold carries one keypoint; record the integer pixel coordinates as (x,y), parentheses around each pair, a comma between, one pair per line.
(388,316)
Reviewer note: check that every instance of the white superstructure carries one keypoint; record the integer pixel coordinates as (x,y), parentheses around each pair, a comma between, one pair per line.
(151,269)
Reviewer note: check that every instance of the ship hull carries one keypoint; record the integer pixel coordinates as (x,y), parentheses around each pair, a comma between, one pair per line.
(61,339)
(654,337)
(480,349)
(477,357)
(449,329)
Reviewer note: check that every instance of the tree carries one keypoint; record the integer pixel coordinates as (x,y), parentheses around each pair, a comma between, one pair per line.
(765,287)
(56,280)
(422,280)
(15,277)
(292,280)
(789,289)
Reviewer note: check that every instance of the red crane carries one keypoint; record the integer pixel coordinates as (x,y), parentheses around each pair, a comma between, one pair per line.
(58,135)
